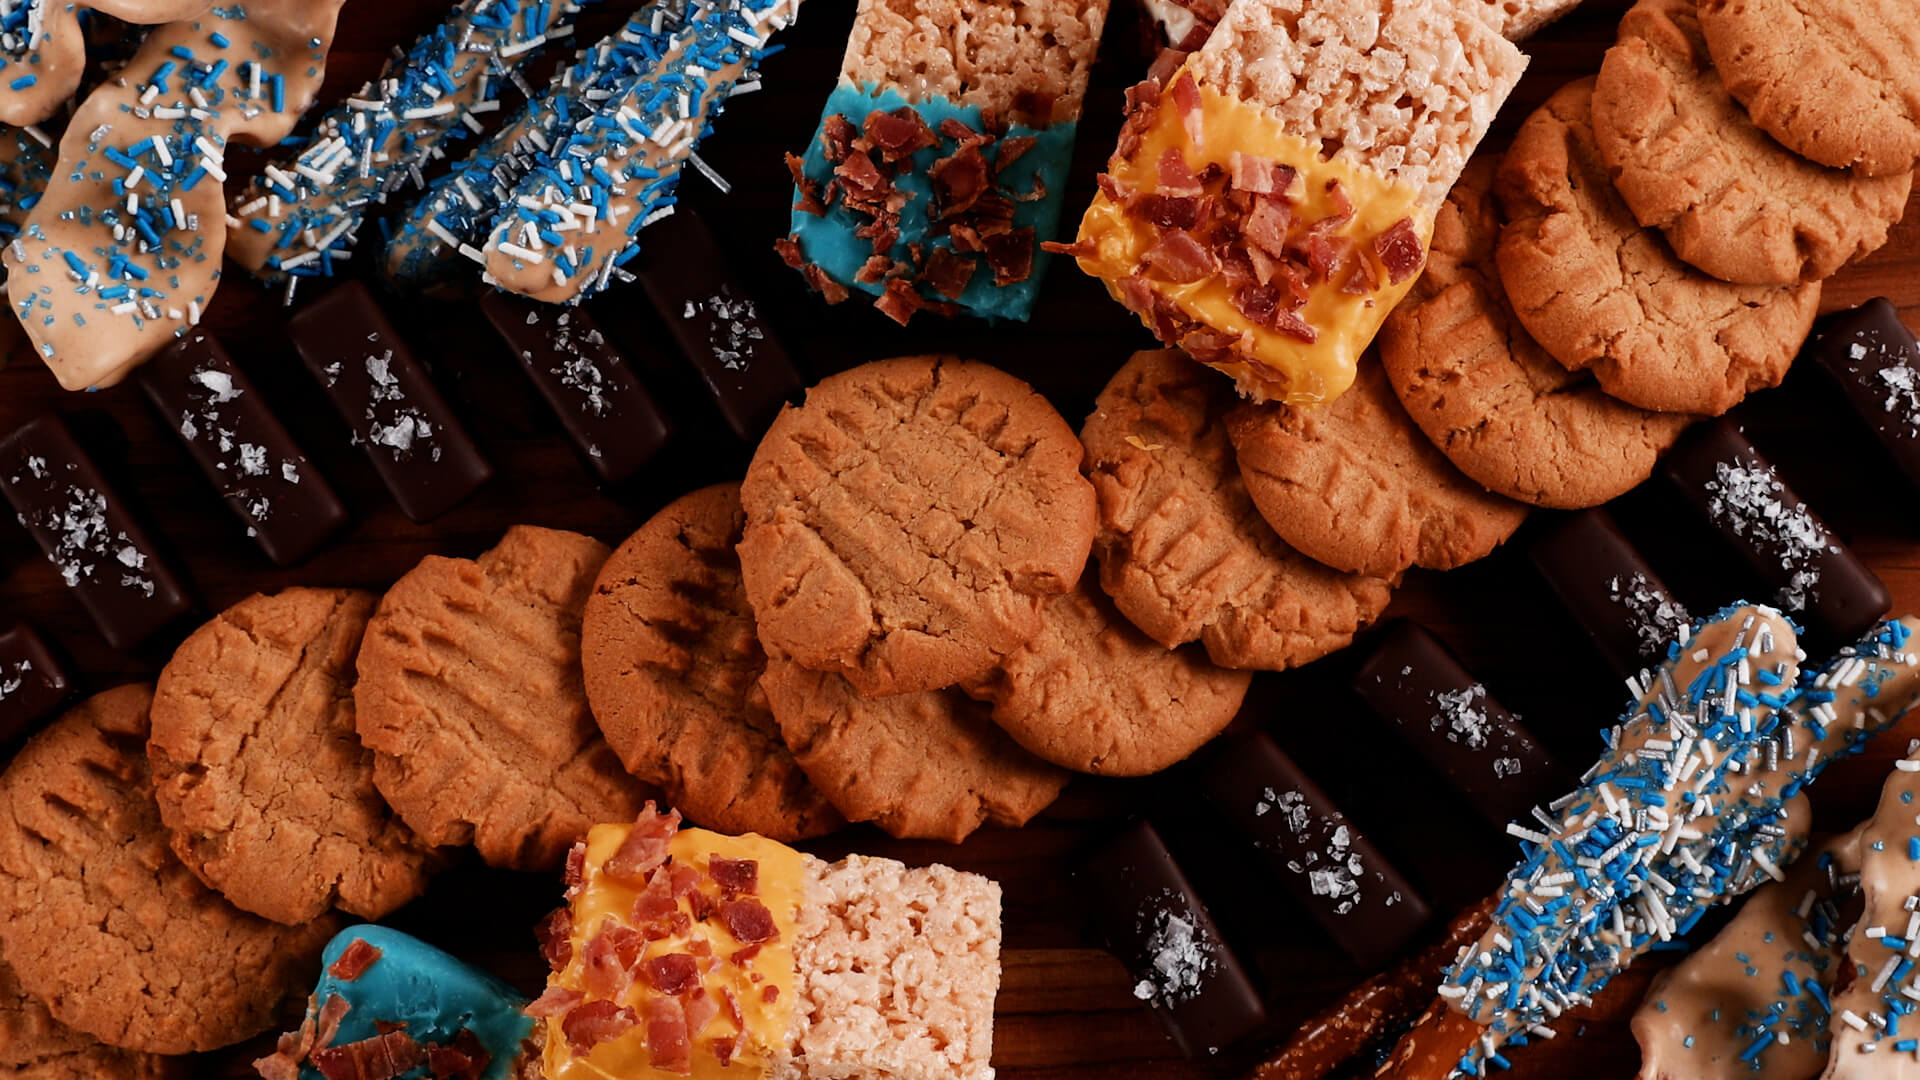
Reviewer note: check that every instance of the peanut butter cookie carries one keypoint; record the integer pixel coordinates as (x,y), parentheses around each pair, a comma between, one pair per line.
(1354,484)
(1502,410)
(1689,162)
(470,696)
(35,1046)
(1092,693)
(906,525)
(1183,551)
(673,668)
(1835,80)
(259,774)
(102,923)
(1599,292)
(927,765)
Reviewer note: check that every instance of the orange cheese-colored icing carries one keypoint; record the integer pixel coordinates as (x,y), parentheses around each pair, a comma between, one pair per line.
(760,985)
(1114,244)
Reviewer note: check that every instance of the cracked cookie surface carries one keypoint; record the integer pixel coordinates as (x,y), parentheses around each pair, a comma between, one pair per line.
(1690,162)
(1354,484)
(1183,552)
(926,765)
(1600,293)
(470,696)
(1834,80)
(906,524)
(35,1046)
(98,918)
(259,773)
(673,666)
(1501,409)
(1092,693)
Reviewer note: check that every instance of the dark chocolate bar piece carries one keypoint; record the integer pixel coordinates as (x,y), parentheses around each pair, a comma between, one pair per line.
(416,444)
(246,453)
(1813,574)
(1151,919)
(1876,361)
(89,534)
(1613,594)
(717,324)
(1342,880)
(601,403)
(32,684)
(1432,702)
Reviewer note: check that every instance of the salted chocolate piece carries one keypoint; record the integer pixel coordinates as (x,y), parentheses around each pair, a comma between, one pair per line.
(416,444)
(1342,880)
(246,453)
(592,389)
(1624,607)
(717,324)
(1876,361)
(1151,919)
(1421,690)
(32,684)
(89,534)
(1815,577)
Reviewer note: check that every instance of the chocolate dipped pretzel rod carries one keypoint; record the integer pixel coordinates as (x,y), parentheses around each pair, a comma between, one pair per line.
(1726,729)
(122,254)
(446,226)
(1375,1008)
(43,48)
(303,214)
(574,220)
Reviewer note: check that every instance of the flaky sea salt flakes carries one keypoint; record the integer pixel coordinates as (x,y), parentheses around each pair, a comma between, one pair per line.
(732,327)
(1179,956)
(1747,501)
(1903,396)
(1655,618)
(1463,716)
(13,680)
(1332,870)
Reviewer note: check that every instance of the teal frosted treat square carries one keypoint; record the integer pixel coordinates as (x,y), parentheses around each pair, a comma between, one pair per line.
(1003,279)
(441,1004)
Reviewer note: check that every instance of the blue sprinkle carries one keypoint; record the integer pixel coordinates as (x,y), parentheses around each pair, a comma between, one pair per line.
(23,82)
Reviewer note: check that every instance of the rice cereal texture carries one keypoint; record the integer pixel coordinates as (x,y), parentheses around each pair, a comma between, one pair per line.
(898,970)
(1403,87)
(1001,56)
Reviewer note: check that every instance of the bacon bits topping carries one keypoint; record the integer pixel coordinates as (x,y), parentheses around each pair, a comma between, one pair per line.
(465,1058)
(723,1050)
(645,848)
(749,921)
(382,1057)
(555,934)
(969,206)
(557,1001)
(1243,224)
(592,1023)
(1186,99)
(576,866)
(736,877)
(607,963)
(354,961)
(1400,251)
(668,1044)
(673,974)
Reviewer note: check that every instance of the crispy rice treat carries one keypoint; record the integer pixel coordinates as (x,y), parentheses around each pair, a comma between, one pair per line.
(1271,200)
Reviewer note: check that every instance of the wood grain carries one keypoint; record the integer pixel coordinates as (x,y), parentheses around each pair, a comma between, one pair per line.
(1065,1009)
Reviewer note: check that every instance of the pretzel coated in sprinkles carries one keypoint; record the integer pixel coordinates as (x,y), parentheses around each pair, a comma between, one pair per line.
(573,221)
(122,253)
(43,48)
(26,164)
(1696,800)
(453,218)
(303,214)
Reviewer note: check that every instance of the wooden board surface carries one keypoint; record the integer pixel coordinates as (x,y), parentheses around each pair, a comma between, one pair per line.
(1065,1010)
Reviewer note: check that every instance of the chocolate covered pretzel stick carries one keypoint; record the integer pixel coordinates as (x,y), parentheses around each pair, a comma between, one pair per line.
(447,225)
(122,254)
(304,214)
(1375,1008)
(43,48)
(574,220)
